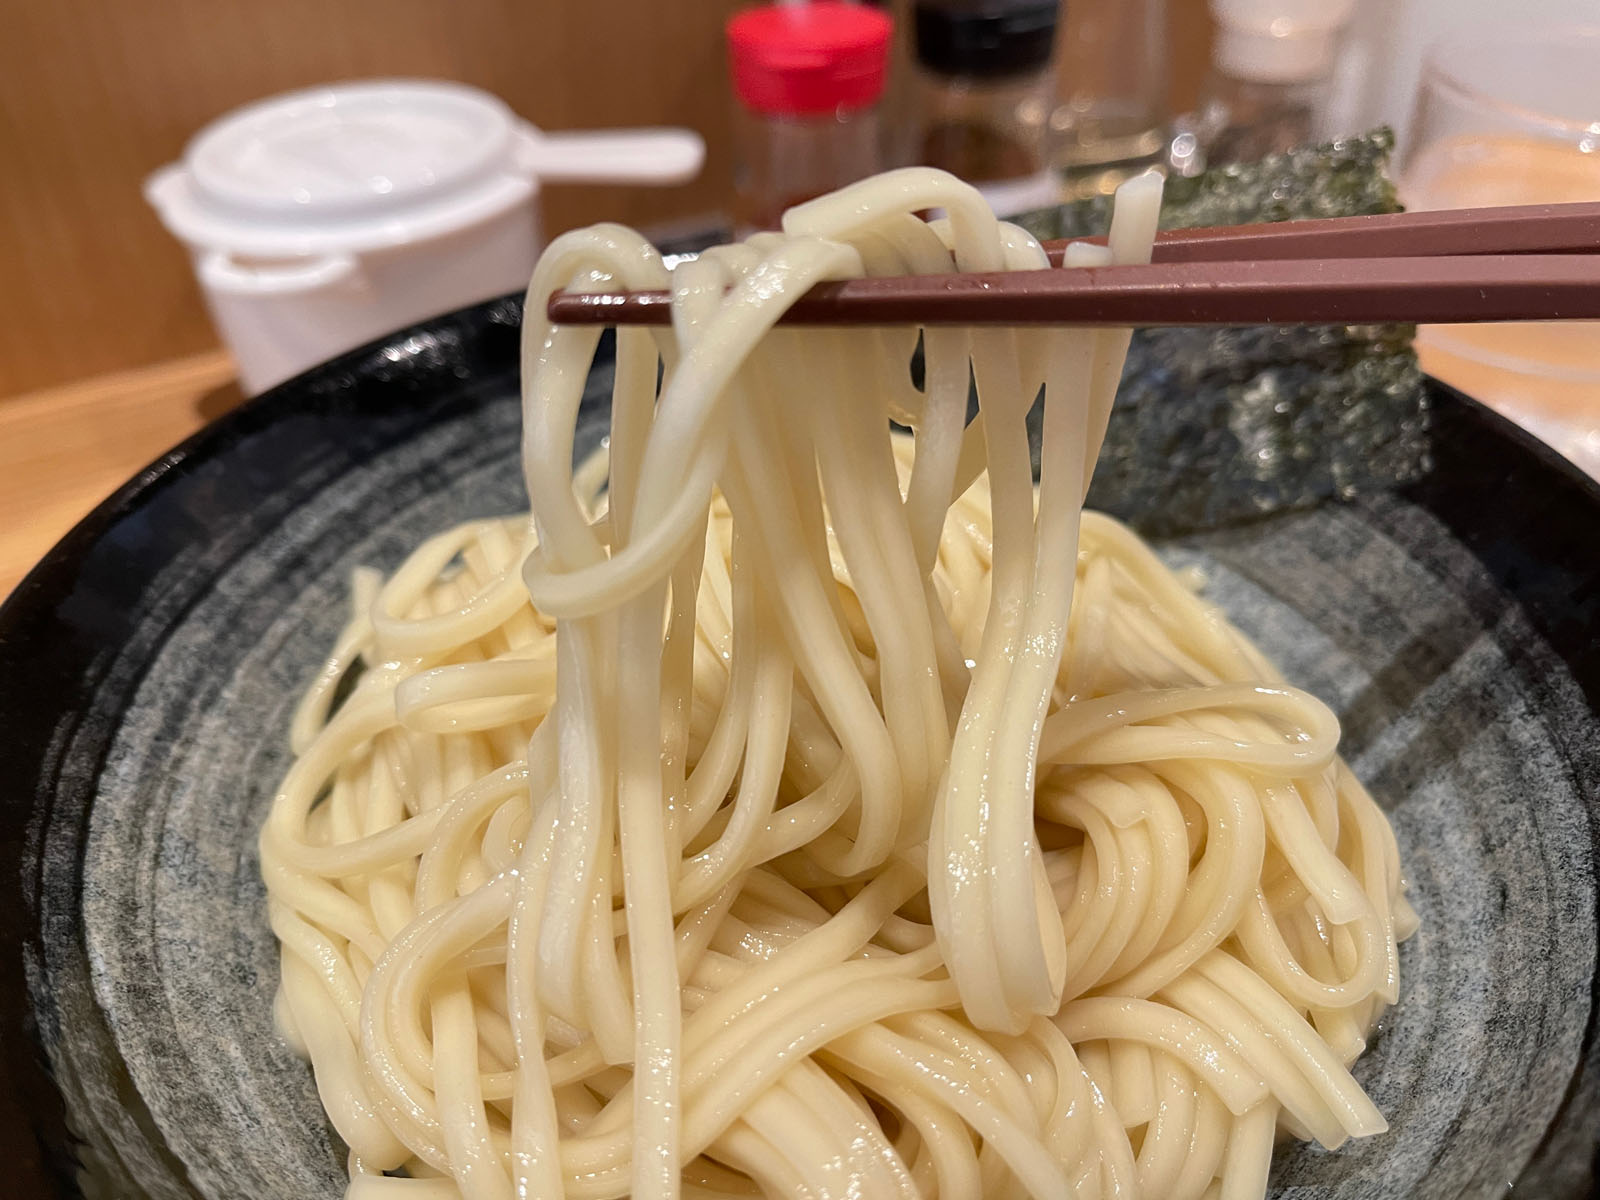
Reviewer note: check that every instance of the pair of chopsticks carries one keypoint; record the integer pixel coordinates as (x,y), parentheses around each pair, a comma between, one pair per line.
(1530,263)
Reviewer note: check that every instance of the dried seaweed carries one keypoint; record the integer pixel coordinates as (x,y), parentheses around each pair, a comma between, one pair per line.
(1213,426)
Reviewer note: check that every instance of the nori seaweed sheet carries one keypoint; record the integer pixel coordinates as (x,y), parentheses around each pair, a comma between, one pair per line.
(1215,426)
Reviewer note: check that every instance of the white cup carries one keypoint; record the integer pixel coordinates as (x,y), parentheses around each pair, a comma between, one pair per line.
(322,219)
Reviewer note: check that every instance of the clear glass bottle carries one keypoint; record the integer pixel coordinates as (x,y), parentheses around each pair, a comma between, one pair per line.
(1241,120)
(1271,71)
(983,90)
(1111,121)
(809,78)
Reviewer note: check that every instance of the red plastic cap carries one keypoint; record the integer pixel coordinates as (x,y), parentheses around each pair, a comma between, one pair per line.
(804,59)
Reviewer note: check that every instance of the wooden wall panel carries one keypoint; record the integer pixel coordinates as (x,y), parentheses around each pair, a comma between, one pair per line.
(94,94)
(1189,42)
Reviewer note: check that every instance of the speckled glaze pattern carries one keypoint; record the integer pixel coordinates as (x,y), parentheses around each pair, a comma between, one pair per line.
(148,669)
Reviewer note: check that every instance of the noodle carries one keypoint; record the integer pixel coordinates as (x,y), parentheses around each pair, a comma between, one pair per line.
(794,807)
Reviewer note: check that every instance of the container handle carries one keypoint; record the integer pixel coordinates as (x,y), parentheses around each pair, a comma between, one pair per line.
(649,156)
(220,272)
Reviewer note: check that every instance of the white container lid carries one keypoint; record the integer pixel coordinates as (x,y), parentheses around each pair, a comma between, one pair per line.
(354,167)
(351,167)
(348,168)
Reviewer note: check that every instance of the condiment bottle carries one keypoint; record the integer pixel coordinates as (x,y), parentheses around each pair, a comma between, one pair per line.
(984,93)
(1115,75)
(1271,69)
(808,78)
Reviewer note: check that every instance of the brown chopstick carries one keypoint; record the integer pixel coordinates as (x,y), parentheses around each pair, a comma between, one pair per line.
(1338,291)
(1536,262)
(1514,229)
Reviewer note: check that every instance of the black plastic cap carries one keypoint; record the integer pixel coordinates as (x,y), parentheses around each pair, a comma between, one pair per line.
(985,38)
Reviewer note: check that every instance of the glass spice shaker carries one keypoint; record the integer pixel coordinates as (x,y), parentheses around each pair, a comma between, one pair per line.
(985,88)
(808,78)
(1271,75)
(1111,121)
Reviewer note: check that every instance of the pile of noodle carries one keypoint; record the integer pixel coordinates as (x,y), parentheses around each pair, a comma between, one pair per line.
(791,806)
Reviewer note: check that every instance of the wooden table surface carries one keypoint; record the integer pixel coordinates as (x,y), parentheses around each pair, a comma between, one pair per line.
(65,449)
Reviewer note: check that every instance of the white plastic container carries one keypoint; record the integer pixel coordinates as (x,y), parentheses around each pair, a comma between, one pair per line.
(322,219)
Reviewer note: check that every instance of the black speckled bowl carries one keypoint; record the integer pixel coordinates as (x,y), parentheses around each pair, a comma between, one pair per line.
(148,667)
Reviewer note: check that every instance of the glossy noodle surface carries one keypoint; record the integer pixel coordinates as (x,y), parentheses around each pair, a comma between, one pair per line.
(793,806)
